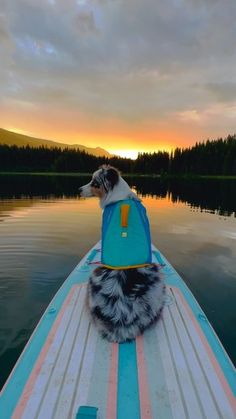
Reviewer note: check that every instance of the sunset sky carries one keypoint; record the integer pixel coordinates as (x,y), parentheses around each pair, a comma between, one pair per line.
(125,75)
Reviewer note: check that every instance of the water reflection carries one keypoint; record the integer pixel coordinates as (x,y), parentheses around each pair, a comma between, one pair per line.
(42,186)
(211,195)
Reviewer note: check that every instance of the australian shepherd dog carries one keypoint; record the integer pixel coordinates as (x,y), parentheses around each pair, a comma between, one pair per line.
(123,303)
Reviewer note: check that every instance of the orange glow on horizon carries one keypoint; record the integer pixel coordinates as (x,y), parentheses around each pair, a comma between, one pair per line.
(129,154)
(133,153)
(126,147)
(125,138)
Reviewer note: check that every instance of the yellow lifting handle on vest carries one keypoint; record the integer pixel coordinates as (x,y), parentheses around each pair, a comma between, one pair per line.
(124,214)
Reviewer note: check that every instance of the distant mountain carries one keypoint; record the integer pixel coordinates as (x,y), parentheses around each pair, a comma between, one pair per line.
(13,138)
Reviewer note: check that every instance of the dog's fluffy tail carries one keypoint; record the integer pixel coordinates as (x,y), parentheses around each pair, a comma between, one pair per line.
(123,303)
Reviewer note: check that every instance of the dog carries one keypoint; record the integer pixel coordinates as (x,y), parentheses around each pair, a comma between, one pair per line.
(122,302)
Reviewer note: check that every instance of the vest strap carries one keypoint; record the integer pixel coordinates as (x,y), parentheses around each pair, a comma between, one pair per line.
(121,268)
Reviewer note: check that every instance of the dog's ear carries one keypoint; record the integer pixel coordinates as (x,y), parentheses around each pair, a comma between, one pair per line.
(112,176)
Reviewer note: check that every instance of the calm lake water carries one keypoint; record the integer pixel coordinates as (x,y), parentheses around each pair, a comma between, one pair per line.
(45,229)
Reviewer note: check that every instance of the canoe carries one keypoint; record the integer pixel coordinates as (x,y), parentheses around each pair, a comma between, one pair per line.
(176,369)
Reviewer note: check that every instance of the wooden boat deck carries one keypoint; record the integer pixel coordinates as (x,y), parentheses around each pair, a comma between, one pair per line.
(169,372)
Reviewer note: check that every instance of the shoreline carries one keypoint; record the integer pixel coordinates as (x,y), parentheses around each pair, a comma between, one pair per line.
(141,175)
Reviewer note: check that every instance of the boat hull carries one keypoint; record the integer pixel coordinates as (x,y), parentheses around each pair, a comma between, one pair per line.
(176,369)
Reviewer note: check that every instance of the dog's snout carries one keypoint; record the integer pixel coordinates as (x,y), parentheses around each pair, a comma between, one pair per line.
(85,191)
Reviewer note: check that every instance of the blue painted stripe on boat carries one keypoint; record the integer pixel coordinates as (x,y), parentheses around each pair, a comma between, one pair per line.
(14,388)
(158,257)
(173,278)
(128,405)
(92,255)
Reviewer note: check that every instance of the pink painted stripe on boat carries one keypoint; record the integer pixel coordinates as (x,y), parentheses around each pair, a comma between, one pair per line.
(112,384)
(37,368)
(145,404)
(211,355)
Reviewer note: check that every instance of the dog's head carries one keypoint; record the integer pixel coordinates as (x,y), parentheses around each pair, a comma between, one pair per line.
(103,181)
(108,186)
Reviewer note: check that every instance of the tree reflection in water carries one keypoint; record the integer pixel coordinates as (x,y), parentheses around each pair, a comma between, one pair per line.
(211,195)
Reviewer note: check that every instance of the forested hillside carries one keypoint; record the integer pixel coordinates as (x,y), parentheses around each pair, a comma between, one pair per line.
(216,157)
(20,140)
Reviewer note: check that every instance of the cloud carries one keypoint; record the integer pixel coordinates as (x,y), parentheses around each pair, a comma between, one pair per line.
(129,60)
(224,92)
(4,34)
(86,24)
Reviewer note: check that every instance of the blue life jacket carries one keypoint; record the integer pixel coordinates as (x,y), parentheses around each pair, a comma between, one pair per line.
(126,240)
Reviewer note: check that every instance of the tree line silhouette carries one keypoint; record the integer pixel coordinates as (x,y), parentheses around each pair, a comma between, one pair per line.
(217,157)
